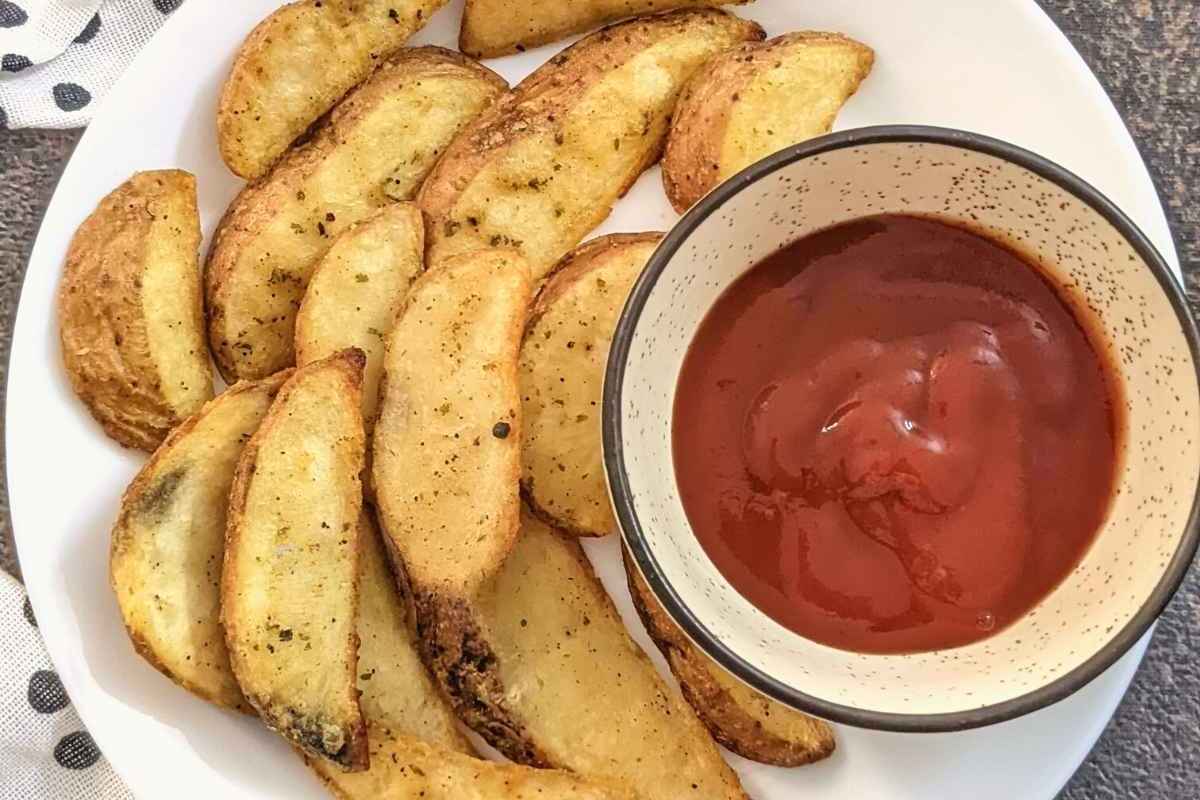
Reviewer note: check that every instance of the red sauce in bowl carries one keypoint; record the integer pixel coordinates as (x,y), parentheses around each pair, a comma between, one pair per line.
(894,436)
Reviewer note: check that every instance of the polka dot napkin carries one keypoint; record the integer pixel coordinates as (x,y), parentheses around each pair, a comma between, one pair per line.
(58,57)
(45,754)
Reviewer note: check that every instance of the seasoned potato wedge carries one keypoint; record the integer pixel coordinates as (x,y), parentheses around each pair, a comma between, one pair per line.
(356,290)
(540,664)
(498,27)
(754,101)
(375,149)
(289,592)
(545,164)
(398,693)
(297,63)
(130,318)
(748,723)
(169,541)
(446,451)
(404,768)
(563,358)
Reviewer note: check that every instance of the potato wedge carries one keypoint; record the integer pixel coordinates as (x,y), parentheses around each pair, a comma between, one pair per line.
(357,289)
(563,358)
(545,164)
(375,149)
(297,63)
(130,317)
(169,541)
(540,664)
(289,591)
(446,453)
(493,28)
(748,723)
(754,101)
(398,693)
(404,768)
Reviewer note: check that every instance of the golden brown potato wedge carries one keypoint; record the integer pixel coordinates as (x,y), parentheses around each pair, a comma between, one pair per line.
(563,358)
(404,768)
(297,63)
(748,723)
(754,101)
(374,150)
(398,693)
(493,28)
(169,541)
(446,455)
(545,164)
(356,290)
(289,591)
(130,317)
(540,664)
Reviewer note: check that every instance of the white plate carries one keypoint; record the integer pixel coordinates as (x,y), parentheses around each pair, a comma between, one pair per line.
(994,66)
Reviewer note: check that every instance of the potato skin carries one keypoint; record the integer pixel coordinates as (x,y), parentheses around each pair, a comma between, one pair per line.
(289,584)
(297,63)
(539,663)
(563,358)
(169,540)
(738,109)
(749,724)
(544,165)
(493,28)
(129,310)
(374,149)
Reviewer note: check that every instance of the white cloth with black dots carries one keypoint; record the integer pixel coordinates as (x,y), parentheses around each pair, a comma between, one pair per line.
(45,753)
(59,57)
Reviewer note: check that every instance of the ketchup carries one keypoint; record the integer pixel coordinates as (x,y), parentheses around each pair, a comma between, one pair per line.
(893,436)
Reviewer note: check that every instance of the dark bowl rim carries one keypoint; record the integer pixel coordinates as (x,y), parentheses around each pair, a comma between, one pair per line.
(618,479)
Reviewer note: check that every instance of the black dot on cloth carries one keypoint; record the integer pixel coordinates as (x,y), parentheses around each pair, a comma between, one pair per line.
(167,6)
(10,62)
(27,607)
(89,31)
(11,15)
(46,693)
(77,751)
(71,96)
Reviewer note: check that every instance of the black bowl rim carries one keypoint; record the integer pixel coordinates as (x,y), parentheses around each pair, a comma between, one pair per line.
(634,536)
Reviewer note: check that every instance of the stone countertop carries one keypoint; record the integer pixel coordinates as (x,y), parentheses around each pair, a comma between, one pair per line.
(1147,54)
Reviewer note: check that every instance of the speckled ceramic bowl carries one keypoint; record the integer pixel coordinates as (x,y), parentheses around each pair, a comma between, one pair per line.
(1144,548)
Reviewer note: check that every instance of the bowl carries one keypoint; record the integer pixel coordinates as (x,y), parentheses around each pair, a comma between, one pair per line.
(1075,234)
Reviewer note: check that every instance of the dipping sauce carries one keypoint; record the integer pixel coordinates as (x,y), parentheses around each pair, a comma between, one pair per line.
(894,436)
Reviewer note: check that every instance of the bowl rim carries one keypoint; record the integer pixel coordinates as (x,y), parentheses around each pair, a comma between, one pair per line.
(618,479)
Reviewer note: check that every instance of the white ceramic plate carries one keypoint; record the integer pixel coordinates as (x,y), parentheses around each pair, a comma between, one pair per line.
(994,66)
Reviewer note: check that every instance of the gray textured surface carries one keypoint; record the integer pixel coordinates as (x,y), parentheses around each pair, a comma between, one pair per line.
(1145,52)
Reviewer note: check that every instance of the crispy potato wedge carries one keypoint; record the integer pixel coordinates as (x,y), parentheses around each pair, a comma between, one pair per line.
(493,28)
(754,101)
(357,289)
(297,63)
(545,164)
(404,768)
(169,541)
(748,723)
(289,591)
(540,664)
(130,317)
(563,358)
(374,150)
(446,455)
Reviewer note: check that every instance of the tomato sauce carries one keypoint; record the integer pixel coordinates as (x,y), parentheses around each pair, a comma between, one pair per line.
(894,436)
